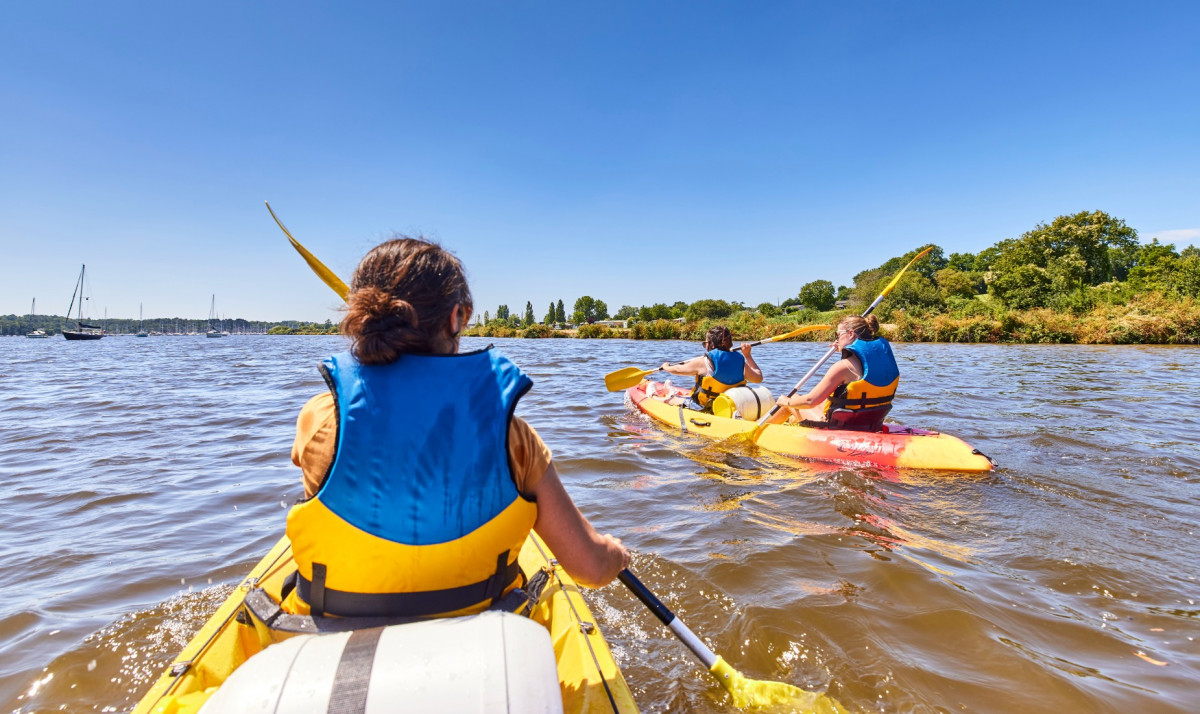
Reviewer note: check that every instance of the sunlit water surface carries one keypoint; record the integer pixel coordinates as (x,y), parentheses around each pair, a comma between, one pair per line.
(144,476)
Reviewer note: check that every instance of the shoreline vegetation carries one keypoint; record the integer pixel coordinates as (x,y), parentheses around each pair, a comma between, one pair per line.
(1083,278)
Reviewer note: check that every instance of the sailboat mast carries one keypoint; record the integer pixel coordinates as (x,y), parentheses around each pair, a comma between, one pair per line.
(77,284)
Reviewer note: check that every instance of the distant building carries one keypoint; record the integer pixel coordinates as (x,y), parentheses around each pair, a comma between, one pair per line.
(612,323)
(840,304)
(680,320)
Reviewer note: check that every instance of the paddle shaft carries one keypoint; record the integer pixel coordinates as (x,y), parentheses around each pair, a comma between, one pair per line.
(706,656)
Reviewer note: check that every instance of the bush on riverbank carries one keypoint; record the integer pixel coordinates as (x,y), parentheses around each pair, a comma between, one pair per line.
(1146,319)
(596,332)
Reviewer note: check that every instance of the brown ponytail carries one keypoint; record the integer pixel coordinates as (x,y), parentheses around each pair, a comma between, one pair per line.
(719,338)
(401,298)
(863,328)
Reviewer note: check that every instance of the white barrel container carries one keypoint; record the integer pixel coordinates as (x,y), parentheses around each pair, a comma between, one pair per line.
(752,401)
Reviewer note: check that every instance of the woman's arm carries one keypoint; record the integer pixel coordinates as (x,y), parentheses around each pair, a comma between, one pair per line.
(591,558)
(695,367)
(752,374)
(837,375)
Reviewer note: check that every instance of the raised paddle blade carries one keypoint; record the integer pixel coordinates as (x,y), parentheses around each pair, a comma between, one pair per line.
(758,694)
(329,277)
(625,378)
(795,333)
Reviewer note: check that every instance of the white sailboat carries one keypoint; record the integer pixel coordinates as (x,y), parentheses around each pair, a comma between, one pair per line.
(36,334)
(141,330)
(213,330)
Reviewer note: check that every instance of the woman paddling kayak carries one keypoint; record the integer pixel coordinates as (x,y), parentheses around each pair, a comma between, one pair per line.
(716,371)
(857,392)
(421,484)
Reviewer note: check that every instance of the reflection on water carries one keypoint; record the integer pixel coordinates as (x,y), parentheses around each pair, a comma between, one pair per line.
(145,476)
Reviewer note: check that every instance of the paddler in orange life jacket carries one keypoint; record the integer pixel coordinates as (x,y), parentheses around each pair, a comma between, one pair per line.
(421,484)
(857,392)
(719,369)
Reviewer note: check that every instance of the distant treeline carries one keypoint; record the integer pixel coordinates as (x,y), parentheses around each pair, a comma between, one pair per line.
(1081,278)
(53,325)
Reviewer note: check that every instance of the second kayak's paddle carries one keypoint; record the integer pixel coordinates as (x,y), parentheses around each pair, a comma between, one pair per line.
(745,692)
(632,376)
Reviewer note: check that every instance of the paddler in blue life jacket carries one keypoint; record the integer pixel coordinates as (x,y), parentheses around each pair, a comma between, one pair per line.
(857,392)
(719,369)
(421,484)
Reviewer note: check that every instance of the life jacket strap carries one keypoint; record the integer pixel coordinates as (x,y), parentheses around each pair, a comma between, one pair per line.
(837,402)
(324,600)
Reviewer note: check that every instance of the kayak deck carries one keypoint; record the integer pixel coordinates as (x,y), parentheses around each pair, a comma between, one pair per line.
(895,447)
(589,678)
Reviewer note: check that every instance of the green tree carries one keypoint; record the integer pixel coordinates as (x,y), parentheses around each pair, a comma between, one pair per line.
(560,315)
(768,309)
(844,292)
(657,311)
(502,312)
(589,309)
(550,314)
(1022,287)
(708,309)
(962,262)
(953,282)
(626,312)
(529,320)
(819,295)
(1158,268)
(486,319)
(1073,251)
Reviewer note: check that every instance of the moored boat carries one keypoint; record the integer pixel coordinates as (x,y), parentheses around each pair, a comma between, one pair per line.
(895,447)
(242,657)
(36,334)
(212,320)
(82,331)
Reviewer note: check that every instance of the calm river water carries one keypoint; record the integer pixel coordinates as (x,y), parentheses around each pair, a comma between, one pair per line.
(144,476)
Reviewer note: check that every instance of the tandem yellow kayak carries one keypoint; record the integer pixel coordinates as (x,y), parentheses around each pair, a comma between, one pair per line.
(551,658)
(895,447)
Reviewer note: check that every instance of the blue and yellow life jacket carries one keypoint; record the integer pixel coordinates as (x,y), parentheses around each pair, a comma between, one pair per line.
(418,515)
(870,396)
(728,371)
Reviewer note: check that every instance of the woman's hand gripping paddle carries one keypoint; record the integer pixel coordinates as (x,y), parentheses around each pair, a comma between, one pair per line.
(745,692)
(632,376)
(762,423)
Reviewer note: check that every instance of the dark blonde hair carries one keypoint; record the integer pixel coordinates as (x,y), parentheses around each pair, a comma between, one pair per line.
(401,297)
(719,337)
(863,328)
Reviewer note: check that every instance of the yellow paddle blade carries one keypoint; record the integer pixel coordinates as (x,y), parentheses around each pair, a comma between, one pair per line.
(896,279)
(328,276)
(777,696)
(797,332)
(625,378)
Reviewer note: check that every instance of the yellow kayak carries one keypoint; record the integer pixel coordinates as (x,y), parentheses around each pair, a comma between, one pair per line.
(895,447)
(588,679)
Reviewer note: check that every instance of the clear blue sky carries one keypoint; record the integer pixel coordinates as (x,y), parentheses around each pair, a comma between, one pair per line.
(637,152)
